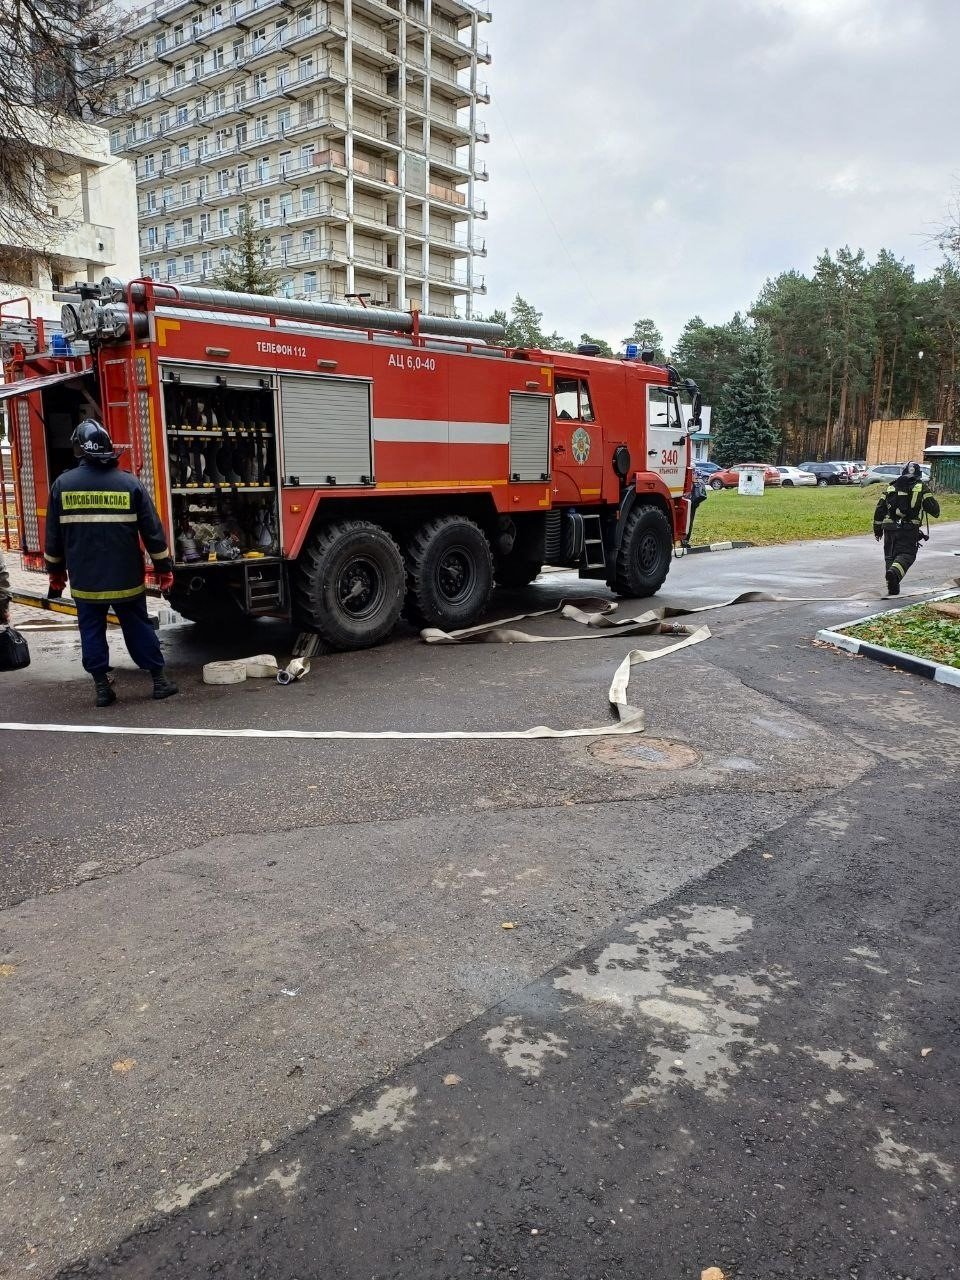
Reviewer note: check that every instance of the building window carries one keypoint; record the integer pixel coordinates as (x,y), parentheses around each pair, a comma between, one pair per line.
(241,136)
(164,121)
(219,58)
(160,44)
(239,94)
(206,262)
(178,34)
(309,241)
(203,187)
(243,176)
(285,163)
(183,152)
(149,166)
(305,66)
(223,216)
(180,74)
(221,139)
(308,200)
(286,207)
(260,84)
(224,256)
(263,169)
(197,66)
(183,115)
(223,181)
(165,158)
(218,100)
(261,127)
(184,192)
(283,120)
(171,268)
(266,249)
(131,135)
(286,247)
(263,209)
(238,50)
(151,202)
(280,29)
(216,17)
(283,75)
(187,228)
(114,140)
(309,282)
(204,224)
(307,110)
(306,156)
(152,237)
(304,21)
(155,270)
(188,265)
(259,39)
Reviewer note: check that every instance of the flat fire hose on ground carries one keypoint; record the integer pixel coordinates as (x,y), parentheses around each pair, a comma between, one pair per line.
(64,608)
(629,719)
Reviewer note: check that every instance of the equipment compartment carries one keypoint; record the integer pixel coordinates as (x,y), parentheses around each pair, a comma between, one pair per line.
(222,447)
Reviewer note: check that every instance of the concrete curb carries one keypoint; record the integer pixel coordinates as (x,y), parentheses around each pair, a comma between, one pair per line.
(926,667)
(716,546)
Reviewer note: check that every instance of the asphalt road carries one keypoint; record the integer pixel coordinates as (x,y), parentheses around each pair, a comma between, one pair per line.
(261,1017)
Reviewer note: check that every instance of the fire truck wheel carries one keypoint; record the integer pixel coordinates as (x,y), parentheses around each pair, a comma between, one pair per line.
(643,560)
(349,584)
(449,573)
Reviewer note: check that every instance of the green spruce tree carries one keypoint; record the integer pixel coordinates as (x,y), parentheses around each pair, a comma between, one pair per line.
(748,430)
(246,270)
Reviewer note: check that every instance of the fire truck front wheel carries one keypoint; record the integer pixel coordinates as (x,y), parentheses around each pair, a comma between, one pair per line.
(449,572)
(349,584)
(643,560)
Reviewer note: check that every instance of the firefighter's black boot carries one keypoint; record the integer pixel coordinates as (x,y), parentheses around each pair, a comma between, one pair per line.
(893,583)
(105,694)
(162,687)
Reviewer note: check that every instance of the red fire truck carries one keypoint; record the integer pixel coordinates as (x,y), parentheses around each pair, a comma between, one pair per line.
(338,464)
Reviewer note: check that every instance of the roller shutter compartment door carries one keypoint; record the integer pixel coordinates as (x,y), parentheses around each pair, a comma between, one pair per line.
(529,436)
(326,427)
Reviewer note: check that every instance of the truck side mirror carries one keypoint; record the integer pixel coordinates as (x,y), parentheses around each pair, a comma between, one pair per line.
(694,421)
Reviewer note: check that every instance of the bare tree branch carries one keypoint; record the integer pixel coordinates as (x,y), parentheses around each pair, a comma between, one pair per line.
(59,62)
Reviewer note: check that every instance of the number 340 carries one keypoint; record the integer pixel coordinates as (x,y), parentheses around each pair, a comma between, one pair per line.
(669,457)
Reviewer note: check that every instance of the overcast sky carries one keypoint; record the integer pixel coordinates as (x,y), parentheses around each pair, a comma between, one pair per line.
(665,157)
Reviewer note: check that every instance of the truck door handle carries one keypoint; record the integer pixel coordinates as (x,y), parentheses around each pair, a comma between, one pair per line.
(652,453)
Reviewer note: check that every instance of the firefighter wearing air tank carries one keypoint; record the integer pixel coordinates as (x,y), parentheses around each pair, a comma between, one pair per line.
(96,518)
(897,520)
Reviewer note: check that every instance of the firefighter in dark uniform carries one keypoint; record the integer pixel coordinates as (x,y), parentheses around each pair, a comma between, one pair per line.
(96,516)
(897,520)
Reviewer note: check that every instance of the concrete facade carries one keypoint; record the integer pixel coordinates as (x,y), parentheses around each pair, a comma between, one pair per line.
(92,197)
(348,129)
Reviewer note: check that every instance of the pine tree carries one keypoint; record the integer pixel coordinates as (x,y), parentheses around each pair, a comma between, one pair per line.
(246,270)
(749,402)
(646,334)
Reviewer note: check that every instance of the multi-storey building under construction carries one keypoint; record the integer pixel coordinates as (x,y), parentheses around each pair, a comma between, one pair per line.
(348,130)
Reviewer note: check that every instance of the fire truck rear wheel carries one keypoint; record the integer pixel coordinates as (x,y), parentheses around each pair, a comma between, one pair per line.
(449,573)
(643,560)
(349,584)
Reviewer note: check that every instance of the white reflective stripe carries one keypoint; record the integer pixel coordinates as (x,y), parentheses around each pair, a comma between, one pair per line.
(421,431)
(101,517)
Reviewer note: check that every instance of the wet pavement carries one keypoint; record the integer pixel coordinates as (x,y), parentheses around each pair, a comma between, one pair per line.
(262,1016)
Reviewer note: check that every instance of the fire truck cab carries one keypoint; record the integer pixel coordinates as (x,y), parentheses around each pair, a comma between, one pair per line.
(340,465)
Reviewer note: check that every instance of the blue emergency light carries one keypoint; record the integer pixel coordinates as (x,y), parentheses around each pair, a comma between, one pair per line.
(633,351)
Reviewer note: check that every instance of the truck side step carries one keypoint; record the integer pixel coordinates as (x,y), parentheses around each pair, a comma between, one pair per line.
(264,588)
(593,561)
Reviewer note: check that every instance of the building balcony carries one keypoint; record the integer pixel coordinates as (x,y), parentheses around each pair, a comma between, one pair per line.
(446,195)
(481,132)
(445,242)
(372,50)
(372,88)
(448,125)
(380,10)
(374,172)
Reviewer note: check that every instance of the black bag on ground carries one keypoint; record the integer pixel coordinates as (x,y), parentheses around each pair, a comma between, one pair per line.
(14,653)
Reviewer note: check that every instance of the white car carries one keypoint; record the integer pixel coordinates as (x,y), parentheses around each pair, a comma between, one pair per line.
(794,476)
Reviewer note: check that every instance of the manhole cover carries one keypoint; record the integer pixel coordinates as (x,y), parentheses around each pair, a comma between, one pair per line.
(644,753)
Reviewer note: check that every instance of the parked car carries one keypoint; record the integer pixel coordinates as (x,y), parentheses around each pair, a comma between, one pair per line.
(791,476)
(706,469)
(827,472)
(853,469)
(729,477)
(884,472)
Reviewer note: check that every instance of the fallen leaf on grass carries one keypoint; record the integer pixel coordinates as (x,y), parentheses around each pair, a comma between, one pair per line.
(123,1065)
(452,1078)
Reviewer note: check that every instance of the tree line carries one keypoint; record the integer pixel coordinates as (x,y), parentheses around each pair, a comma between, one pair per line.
(815,359)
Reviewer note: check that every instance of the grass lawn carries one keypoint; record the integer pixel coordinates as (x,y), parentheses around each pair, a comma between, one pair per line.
(917,630)
(791,515)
